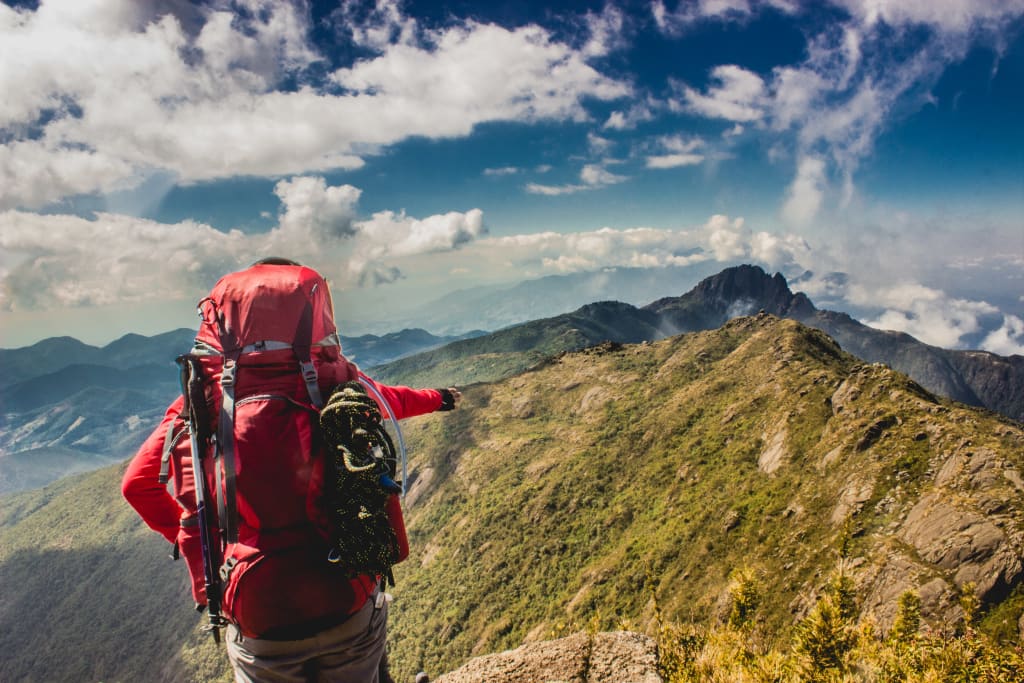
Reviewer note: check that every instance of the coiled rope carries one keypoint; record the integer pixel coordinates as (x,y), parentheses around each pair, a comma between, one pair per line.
(360,468)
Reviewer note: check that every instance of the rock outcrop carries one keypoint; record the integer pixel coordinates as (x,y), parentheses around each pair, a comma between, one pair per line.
(617,657)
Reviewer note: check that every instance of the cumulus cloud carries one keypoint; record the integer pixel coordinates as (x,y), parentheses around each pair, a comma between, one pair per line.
(61,261)
(68,261)
(312,210)
(735,94)
(928,314)
(1008,340)
(607,31)
(728,240)
(135,89)
(472,73)
(375,26)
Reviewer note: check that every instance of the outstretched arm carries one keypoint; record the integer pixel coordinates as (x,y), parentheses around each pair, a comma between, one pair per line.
(407,402)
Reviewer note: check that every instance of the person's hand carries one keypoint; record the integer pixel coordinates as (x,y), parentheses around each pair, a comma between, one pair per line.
(450,398)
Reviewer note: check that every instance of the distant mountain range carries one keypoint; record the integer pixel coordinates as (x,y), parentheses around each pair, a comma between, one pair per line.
(61,397)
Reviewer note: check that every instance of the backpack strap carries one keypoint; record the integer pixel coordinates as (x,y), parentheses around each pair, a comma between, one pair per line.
(303,346)
(170,441)
(227,505)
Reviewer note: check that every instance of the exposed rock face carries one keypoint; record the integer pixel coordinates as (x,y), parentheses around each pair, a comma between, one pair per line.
(734,292)
(619,657)
(963,534)
(964,542)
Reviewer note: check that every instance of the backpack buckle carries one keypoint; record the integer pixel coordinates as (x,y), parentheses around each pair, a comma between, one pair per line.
(227,375)
(225,569)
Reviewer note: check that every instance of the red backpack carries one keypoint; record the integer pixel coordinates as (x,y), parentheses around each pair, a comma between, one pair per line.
(256,541)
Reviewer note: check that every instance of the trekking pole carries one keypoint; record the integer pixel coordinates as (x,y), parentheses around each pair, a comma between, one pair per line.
(192,390)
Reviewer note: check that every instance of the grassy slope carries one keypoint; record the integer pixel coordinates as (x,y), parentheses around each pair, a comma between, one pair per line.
(88,594)
(572,495)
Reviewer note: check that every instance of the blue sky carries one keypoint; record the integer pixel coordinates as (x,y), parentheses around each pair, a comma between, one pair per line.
(410,149)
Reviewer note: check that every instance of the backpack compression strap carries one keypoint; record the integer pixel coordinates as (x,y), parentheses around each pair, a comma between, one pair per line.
(227,506)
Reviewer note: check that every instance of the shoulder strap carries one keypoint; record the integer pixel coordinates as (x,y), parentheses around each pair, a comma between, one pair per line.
(171,440)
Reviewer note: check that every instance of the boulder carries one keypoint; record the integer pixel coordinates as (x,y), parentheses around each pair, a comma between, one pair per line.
(618,657)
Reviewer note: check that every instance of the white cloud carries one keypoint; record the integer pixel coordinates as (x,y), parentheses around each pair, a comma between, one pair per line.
(735,131)
(553,190)
(67,261)
(934,318)
(551,252)
(948,15)
(858,75)
(1008,340)
(674,151)
(592,177)
(470,74)
(595,175)
(805,194)
(607,31)
(597,144)
(100,94)
(689,12)
(736,94)
(501,170)
(383,25)
(721,238)
(60,261)
(400,235)
(313,211)
(673,160)
(632,117)
(779,251)
(728,240)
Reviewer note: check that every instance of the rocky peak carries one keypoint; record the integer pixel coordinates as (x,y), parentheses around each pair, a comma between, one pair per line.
(734,292)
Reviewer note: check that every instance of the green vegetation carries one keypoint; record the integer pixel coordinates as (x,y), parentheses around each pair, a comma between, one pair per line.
(830,646)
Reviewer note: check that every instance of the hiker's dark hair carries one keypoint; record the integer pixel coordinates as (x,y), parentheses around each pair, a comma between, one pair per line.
(276,261)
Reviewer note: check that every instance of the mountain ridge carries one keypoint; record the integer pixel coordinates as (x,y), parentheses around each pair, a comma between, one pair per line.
(977,378)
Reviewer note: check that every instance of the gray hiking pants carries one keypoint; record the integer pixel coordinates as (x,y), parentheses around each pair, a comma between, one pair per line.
(348,653)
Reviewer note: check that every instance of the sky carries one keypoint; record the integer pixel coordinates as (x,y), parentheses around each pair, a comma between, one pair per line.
(872,151)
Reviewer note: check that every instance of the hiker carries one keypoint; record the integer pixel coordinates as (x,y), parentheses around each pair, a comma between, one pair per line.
(253,529)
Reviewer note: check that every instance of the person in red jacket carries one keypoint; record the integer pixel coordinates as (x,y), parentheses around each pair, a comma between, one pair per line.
(344,636)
